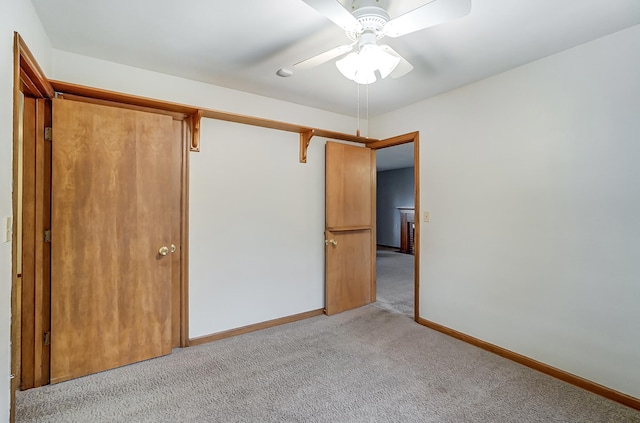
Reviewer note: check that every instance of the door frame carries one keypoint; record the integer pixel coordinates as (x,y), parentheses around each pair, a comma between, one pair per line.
(30,80)
(413,137)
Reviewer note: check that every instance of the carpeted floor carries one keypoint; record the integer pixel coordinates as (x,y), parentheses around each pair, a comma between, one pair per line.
(371,364)
(394,281)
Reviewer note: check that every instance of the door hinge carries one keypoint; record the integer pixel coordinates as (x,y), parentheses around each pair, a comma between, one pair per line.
(47,338)
(48,133)
(47,235)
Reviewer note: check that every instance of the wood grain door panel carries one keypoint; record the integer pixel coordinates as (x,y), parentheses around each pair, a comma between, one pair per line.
(350,250)
(349,264)
(112,209)
(348,186)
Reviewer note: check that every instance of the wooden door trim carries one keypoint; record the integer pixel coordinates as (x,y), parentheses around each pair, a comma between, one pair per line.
(35,215)
(27,224)
(42,251)
(413,137)
(184,236)
(393,141)
(28,80)
(27,70)
(374,243)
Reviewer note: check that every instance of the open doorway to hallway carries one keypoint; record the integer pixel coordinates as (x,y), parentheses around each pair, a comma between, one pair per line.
(395,211)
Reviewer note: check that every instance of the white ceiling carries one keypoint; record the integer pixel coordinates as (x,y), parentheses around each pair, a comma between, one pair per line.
(241,44)
(396,157)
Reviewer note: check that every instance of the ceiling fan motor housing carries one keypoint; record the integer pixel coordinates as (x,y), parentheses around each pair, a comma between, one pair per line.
(372,17)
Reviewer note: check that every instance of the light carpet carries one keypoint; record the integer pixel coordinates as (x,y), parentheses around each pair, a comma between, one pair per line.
(395,282)
(366,365)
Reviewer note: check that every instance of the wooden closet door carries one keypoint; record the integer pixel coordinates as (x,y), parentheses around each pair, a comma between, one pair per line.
(112,200)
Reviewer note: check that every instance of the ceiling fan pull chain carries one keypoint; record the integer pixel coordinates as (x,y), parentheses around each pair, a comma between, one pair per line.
(358,112)
(367,110)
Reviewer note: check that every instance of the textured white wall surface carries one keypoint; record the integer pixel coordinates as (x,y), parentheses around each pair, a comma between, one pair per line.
(257,223)
(531,177)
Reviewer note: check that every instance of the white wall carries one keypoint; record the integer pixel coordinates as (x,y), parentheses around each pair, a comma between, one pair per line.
(15,15)
(257,222)
(532,180)
(92,72)
(256,213)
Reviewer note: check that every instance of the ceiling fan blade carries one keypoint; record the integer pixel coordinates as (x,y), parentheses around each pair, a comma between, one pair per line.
(323,57)
(337,13)
(431,14)
(403,67)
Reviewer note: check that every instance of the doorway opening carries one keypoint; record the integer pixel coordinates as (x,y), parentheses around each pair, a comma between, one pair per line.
(396,228)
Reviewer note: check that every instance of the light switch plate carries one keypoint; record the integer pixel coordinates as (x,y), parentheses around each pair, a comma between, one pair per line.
(9,229)
(427,216)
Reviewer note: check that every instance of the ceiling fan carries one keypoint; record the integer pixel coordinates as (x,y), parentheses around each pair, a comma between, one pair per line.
(365,25)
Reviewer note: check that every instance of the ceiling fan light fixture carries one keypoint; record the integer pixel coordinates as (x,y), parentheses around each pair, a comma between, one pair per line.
(348,65)
(361,67)
(375,58)
(365,77)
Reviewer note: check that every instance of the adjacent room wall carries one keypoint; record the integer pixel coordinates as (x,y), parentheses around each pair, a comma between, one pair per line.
(15,15)
(256,213)
(531,178)
(394,189)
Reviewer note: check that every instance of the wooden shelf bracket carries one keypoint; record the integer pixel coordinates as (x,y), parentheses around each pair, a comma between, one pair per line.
(305,140)
(195,130)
